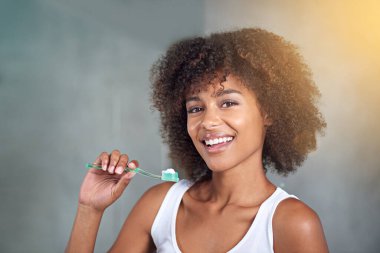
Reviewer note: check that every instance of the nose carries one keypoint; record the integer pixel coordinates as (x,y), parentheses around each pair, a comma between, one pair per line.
(211,118)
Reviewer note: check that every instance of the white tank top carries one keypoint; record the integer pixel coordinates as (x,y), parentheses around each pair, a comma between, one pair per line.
(259,237)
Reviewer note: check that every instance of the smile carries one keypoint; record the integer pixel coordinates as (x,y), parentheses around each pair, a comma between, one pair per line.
(212,142)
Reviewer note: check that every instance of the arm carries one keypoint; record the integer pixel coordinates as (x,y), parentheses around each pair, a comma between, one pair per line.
(297,228)
(85,229)
(100,188)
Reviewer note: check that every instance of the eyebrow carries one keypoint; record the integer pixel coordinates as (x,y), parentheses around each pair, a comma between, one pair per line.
(217,94)
(228,91)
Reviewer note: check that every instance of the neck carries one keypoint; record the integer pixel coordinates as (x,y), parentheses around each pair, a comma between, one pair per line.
(245,185)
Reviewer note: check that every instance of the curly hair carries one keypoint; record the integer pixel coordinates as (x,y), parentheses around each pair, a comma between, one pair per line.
(268,65)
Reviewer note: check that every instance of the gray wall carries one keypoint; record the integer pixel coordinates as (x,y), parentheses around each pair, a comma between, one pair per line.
(74,82)
(340,40)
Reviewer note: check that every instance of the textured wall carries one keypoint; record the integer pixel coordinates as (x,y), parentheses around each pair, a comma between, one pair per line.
(340,40)
(74,82)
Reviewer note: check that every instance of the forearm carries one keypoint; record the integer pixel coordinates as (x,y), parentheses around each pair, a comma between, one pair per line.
(85,229)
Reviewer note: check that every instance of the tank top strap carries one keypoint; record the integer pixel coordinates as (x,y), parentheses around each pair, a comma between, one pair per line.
(272,206)
(163,227)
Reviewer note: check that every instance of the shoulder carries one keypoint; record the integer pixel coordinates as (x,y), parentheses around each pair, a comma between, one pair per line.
(135,233)
(297,228)
(146,208)
(294,212)
(154,196)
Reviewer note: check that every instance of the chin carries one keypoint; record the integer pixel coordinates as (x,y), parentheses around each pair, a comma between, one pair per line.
(216,167)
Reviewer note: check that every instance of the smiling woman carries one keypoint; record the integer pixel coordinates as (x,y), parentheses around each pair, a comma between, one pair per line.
(232,105)
(264,63)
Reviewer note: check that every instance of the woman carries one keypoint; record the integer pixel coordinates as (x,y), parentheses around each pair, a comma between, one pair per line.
(232,105)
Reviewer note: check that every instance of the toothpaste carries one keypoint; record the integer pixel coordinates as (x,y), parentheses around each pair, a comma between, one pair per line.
(168,171)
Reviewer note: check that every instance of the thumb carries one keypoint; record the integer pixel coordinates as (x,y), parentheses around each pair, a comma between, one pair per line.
(123,183)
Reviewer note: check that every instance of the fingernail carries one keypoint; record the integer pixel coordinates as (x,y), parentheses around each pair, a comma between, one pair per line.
(132,165)
(119,170)
(131,174)
(112,168)
(104,167)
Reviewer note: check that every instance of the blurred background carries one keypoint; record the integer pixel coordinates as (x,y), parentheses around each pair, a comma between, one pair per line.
(74,81)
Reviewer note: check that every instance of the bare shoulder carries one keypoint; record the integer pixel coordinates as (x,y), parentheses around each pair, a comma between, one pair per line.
(135,232)
(297,228)
(294,212)
(150,202)
(156,194)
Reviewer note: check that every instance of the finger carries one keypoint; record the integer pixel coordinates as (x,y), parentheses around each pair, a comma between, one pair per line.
(133,164)
(122,164)
(97,161)
(115,155)
(122,184)
(104,159)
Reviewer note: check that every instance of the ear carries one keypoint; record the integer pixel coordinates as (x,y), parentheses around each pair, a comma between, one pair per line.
(267,120)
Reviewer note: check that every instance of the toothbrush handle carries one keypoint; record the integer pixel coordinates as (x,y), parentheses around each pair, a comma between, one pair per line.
(145,173)
(137,170)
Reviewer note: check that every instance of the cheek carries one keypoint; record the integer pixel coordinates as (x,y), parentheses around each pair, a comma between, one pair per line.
(192,127)
(243,123)
(241,120)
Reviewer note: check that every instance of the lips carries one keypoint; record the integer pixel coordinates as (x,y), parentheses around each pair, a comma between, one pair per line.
(215,143)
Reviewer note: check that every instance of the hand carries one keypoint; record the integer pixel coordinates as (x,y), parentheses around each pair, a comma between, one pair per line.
(100,188)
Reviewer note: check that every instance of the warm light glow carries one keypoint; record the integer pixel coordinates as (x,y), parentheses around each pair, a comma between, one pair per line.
(357,23)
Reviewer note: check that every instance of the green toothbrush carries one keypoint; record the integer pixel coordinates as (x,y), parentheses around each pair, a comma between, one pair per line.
(167,175)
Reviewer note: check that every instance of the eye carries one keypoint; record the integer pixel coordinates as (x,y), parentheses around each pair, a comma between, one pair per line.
(228,103)
(194,109)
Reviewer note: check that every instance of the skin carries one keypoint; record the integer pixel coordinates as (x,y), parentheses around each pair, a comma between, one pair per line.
(222,209)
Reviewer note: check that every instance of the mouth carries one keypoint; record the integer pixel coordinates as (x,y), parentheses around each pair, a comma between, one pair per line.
(216,141)
(219,144)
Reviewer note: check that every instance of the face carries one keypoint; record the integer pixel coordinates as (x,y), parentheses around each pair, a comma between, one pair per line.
(226,125)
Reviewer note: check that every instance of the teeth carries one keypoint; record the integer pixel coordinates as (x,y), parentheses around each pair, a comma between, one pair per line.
(218,140)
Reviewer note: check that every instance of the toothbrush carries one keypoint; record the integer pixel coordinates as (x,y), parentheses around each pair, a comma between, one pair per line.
(167,175)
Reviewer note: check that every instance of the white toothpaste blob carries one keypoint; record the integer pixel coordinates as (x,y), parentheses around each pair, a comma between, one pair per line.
(168,171)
